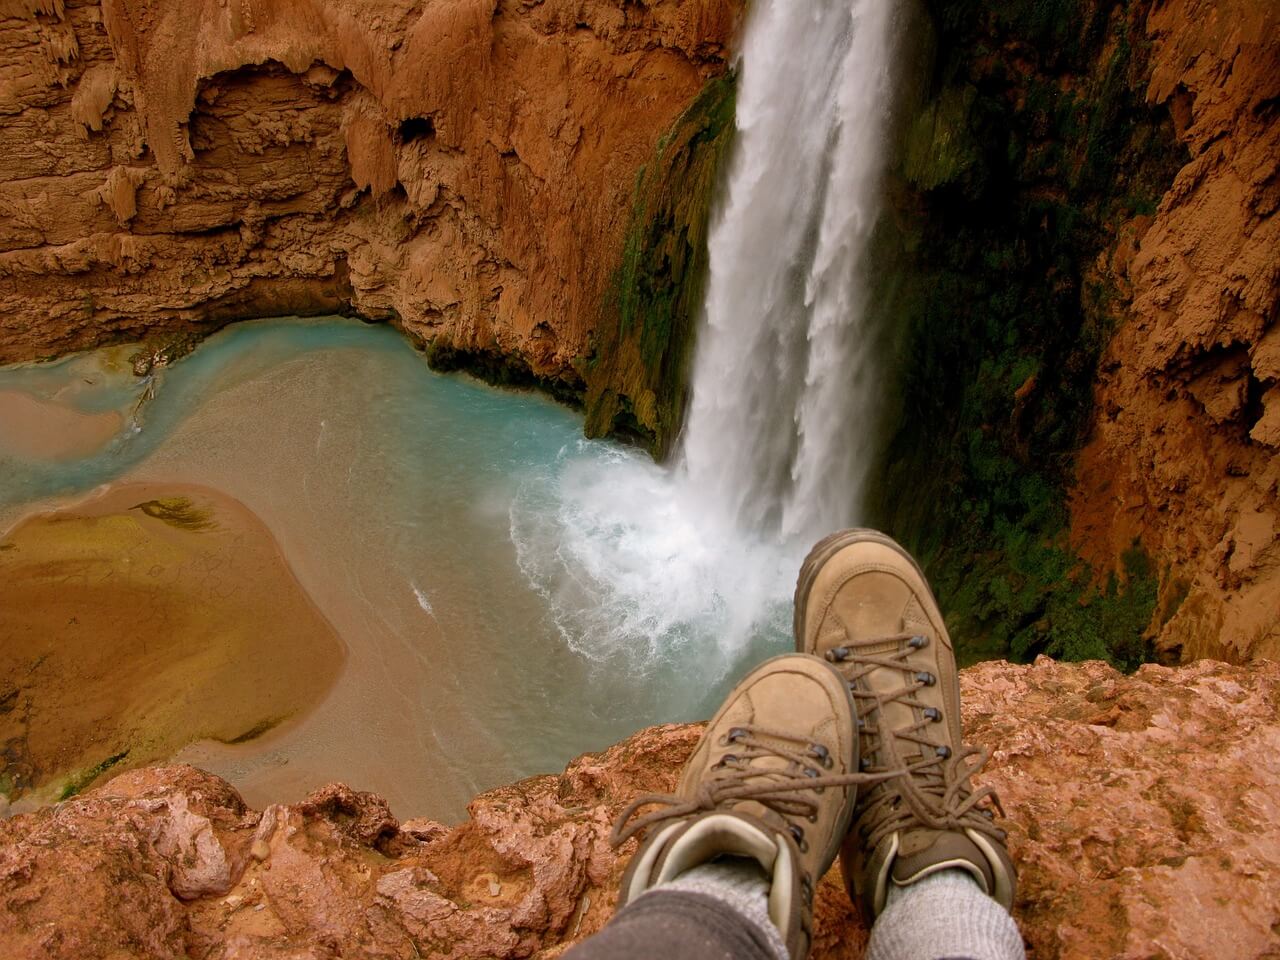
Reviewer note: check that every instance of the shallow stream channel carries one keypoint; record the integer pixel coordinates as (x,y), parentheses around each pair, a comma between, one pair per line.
(509,594)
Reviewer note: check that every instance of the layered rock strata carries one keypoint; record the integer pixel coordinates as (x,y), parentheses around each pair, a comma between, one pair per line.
(462,168)
(1142,816)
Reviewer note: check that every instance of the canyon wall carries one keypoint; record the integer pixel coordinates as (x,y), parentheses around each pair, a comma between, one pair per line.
(1089,387)
(1184,453)
(465,169)
(1129,799)
(1085,279)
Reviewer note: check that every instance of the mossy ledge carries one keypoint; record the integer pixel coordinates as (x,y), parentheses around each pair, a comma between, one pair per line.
(1033,149)
(84,778)
(637,370)
(498,369)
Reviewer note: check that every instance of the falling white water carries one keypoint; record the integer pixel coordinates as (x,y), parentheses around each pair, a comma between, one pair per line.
(783,383)
(642,560)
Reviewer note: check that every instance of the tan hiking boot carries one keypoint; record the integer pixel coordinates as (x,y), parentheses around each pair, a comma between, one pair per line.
(772,780)
(864,605)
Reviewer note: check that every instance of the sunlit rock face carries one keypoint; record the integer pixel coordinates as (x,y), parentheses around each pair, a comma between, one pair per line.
(465,169)
(1128,797)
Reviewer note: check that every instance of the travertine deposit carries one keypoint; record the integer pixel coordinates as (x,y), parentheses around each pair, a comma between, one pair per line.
(464,169)
(1142,812)
(1185,454)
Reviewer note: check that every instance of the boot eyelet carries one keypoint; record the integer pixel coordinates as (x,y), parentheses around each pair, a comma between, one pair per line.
(796,832)
(864,764)
(811,773)
(735,734)
(862,724)
(943,751)
(933,714)
(837,654)
(804,846)
(918,643)
(926,678)
(821,753)
(812,818)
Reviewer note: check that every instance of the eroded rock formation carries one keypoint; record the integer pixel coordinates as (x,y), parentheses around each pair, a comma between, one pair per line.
(463,168)
(1185,454)
(1142,814)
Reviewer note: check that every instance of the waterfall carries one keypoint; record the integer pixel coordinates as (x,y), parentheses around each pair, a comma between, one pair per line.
(783,385)
(652,563)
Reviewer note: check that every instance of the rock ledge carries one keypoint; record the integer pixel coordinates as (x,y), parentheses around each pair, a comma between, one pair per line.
(1145,821)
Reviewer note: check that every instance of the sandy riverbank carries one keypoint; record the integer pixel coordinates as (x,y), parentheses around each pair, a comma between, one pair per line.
(140,620)
(40,429)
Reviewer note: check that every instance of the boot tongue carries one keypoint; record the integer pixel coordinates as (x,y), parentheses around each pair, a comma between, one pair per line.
(924,852)
(779,696)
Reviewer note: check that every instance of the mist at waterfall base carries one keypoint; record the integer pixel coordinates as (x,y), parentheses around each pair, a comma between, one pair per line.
(695,563)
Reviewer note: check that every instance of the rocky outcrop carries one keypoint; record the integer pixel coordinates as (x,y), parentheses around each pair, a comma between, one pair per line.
(1185,451)
(464,169)
(1142,815)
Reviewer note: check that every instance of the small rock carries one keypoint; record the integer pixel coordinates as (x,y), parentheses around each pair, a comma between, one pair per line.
(260,850)
(495,888)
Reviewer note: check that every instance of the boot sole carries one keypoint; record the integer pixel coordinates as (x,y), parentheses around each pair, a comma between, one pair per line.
(824,550)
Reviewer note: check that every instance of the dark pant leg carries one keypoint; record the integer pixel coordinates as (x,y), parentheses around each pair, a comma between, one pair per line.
(675,925)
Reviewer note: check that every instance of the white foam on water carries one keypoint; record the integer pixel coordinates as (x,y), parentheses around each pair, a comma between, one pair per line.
(632,572)
(694,564)
(421,597)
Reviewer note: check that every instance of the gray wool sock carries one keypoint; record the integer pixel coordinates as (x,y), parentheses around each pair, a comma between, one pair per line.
(740,883)
(945,916)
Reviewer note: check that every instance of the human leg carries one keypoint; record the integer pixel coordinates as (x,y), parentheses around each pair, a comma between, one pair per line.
(718,911)
(756,819)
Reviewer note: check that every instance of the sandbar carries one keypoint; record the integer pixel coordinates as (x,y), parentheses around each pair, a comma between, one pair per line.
(38,429)
(140,620)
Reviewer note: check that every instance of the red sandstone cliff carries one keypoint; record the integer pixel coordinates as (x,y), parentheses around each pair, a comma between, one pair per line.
(1143,812)
(1185,454)
(465,167)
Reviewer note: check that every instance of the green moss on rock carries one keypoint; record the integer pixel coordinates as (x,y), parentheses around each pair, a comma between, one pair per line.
(637,373)
(1033,147)
(84,778)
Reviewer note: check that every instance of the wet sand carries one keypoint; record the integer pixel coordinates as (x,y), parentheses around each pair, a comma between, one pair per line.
(38,429)
(140,620)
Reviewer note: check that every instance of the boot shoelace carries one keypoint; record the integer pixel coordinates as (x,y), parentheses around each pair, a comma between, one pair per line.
(790,792)
(936,793)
